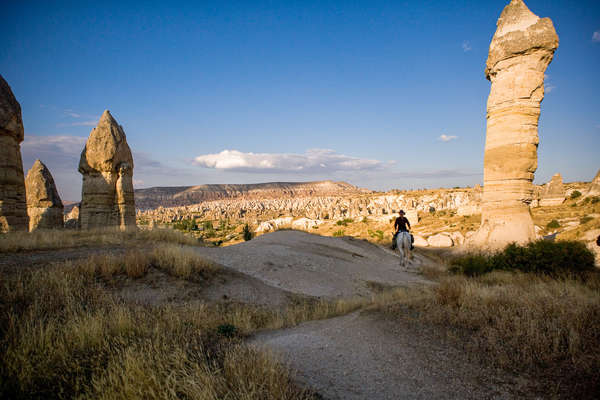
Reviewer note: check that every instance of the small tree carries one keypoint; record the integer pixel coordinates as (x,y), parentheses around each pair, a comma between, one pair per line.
(575,194)
(247,233)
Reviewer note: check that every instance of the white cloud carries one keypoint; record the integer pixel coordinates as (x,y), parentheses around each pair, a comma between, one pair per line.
(549,88)
(313,160)
(466,46)
(59,145)
(596,36)
(447,138)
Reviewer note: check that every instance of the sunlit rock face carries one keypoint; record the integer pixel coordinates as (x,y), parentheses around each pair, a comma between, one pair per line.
(594,187)
(553,193)
(107,167)
(13,204)
(44,206)
(519,54)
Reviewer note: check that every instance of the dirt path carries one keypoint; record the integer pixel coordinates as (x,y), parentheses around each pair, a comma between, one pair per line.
(365,356)
(315,265)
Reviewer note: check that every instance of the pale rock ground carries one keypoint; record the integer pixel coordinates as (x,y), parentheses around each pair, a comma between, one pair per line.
(44,206)
(13,204)
(519,54)
(315,265)
(107,167)
(367,356)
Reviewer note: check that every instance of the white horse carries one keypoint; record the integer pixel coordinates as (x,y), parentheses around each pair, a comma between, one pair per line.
(403,246)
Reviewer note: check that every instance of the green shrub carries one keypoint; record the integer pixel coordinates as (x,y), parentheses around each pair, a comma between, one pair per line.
(541,257)
(344,221)
(595,199)
(365,220)
(585,220)
(378,234)
(339,233)
(553,224)
(575,194)
(247,233)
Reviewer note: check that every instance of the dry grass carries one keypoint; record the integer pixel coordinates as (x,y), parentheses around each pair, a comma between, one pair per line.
(522,322)
(61,239)
(63,334)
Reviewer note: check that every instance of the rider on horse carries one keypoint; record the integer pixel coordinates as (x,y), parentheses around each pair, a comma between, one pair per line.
(402,225)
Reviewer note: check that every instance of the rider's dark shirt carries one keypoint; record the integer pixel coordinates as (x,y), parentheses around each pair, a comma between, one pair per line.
(401,223)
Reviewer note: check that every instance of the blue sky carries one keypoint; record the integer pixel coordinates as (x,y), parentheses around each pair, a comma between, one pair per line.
(360,91)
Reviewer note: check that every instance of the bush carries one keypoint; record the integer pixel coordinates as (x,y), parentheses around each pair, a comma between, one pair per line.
(595,199)
(339,233)
(553,224)
(585,220)
(541,257)
(344,221)
(247,233)
(575,194)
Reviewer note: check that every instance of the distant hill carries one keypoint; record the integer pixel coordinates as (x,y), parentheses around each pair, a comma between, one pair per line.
(174,196)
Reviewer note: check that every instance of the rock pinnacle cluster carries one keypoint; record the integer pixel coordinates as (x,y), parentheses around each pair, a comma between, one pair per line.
(44,206)
(13,206)
(107,167)
(520,51)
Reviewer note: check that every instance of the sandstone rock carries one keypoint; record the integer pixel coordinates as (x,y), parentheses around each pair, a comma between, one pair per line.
(44,206)
(519,54)
(594,187)
(469,209)
(72,218)
(420,241)
(440,240)
(591,234)
(469,234)
(412,216)
(553,193)
(107,168)
(13,203)
(306,223)
(457,238)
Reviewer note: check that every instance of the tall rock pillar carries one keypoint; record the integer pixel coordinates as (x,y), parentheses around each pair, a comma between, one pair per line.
(519,54)
(13,204)
(44,205)
(107,167)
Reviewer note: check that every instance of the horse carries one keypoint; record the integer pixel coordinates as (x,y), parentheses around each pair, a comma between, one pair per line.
(403,246)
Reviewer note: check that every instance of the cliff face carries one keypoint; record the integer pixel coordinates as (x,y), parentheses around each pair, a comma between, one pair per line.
(147,199)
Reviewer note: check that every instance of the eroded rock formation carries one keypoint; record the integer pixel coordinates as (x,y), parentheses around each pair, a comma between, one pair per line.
(519,54)
(594,187)
(107,167)
(553,193)
(44,206)
(13,206)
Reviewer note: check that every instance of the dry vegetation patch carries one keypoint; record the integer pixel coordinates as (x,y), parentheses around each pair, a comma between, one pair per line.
(64,334)
(62,239)
(522,322)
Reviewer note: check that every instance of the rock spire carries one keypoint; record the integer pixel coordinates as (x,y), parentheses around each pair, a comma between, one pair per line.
(44,206)
(553,193)
(594,187)
(107,167)
(519,54)
(13,206)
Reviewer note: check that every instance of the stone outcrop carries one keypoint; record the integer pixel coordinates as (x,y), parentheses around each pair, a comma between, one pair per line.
(13,204)
(594,187)
(519,54)
(553,193)
(44,206)
(72,218)
(107,167)
(374,206)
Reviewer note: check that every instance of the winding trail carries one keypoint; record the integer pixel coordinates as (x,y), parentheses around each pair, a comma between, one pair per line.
(363,355)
